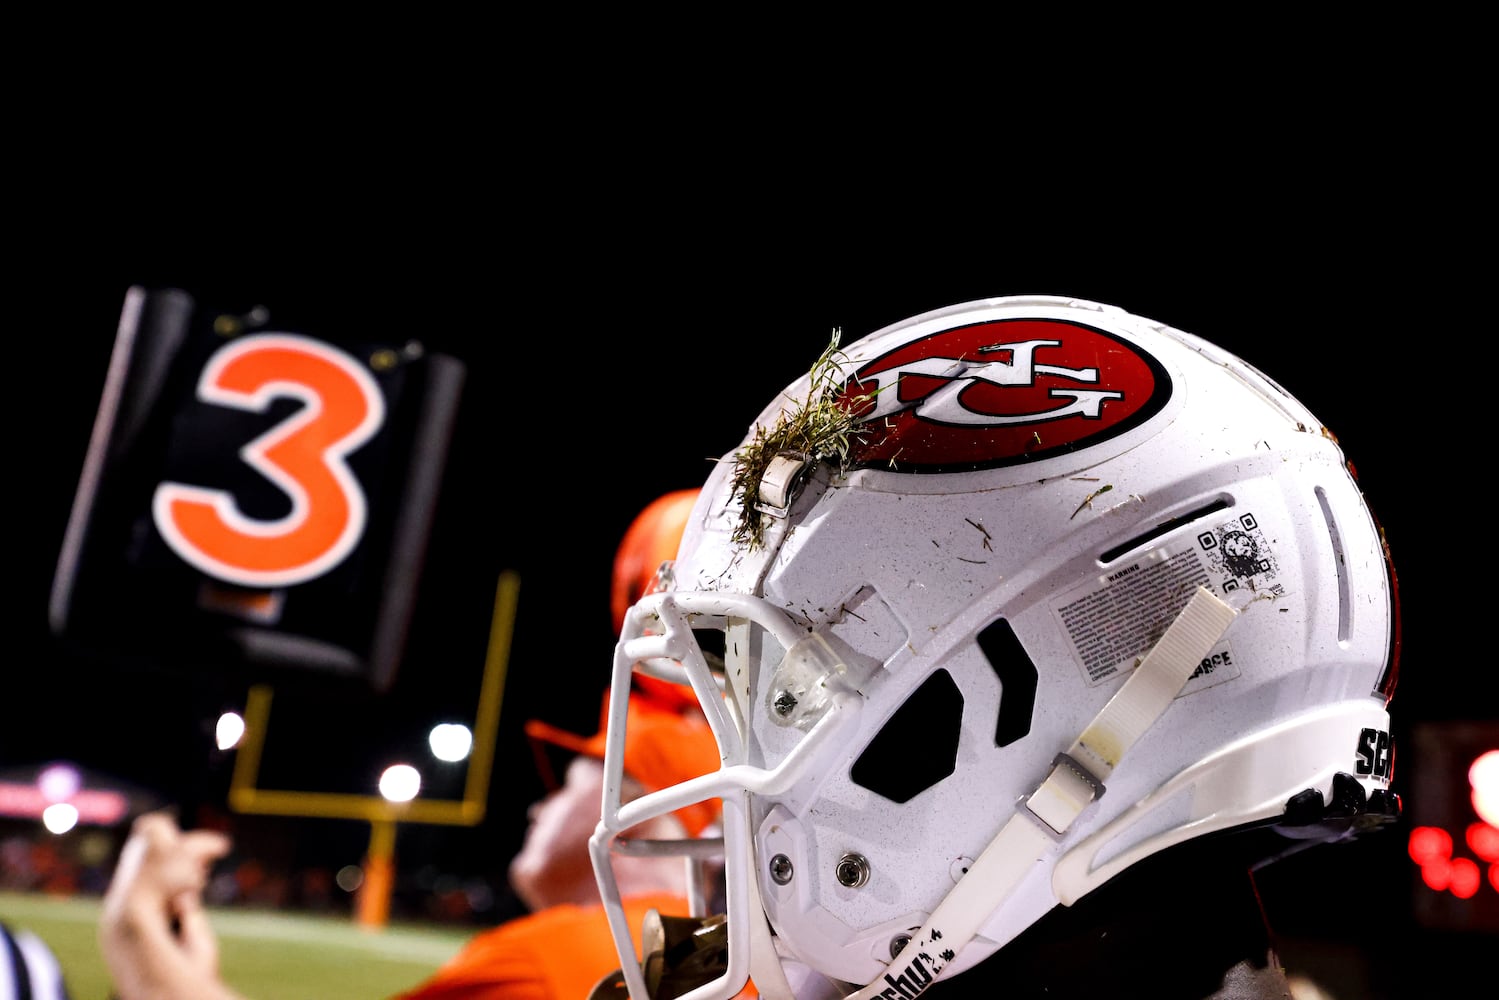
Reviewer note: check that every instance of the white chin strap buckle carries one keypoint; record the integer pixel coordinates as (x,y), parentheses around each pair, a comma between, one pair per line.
(1063,795)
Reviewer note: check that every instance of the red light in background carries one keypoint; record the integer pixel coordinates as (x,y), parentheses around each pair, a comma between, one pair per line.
(1463,879)
(1483,840)
(1437,874)
(1453,838)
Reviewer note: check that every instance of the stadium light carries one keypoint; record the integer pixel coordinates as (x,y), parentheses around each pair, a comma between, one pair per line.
(60,817)
(229,731)
(450,741)
(400,783)
(1484,777)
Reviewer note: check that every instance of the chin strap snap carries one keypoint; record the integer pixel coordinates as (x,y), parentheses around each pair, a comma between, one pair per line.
(1076,780)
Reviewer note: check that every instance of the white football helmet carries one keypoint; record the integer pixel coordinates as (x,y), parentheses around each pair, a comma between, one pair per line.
(1009,596)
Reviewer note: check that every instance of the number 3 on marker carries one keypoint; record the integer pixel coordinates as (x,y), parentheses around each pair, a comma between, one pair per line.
(303,456)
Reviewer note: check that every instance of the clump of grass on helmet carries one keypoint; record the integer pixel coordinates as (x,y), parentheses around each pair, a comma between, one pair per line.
(821,428)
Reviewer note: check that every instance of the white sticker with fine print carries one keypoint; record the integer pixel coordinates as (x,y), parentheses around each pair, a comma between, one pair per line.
(1114,620)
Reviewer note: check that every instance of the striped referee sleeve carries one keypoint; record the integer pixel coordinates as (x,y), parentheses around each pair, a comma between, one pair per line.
(28,968)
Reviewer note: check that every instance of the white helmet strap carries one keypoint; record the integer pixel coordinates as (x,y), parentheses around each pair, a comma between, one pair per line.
(1044,816)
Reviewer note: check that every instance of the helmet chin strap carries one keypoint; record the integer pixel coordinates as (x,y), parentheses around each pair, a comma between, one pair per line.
(1043,818)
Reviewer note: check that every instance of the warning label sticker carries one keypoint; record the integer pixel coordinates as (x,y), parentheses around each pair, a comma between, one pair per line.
(1112,624)
(1114,621)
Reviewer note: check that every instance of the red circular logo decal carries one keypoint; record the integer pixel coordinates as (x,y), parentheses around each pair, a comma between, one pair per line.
(998,393)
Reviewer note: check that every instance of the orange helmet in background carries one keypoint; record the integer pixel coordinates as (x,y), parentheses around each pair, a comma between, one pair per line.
(669,739)
(650,540)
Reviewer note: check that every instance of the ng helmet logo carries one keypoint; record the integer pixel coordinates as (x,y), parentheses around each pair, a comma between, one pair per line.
(999,393)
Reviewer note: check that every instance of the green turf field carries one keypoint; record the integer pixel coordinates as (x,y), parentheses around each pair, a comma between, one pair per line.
(264,955)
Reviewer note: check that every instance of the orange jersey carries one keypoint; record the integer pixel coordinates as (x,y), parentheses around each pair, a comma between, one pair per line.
(559,953)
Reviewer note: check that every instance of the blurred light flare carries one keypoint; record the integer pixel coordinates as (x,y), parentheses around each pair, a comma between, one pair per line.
(1463,878)
(349,878)
(1437,874)
(1484,777)
(62,784)
(1483,840)
(450,741)
(229,731)
(60,817)
(1428,844)
(59,782)
(400,783)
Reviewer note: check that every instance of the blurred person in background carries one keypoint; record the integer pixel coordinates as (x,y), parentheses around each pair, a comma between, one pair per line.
(153,930)
(553,865)
(158,945)
(563,947)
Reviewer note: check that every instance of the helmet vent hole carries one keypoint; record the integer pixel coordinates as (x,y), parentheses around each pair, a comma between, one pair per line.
(1165,527)
(889,768)
(1017,681)
(1340,566)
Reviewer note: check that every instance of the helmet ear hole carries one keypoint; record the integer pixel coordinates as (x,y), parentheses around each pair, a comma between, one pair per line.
(1017,681)
(887,766)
